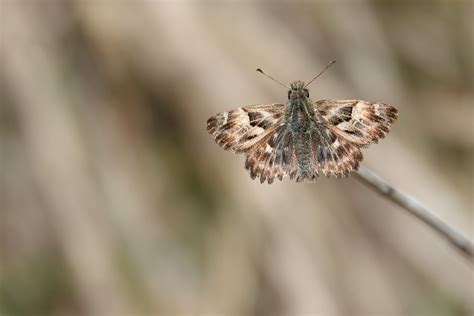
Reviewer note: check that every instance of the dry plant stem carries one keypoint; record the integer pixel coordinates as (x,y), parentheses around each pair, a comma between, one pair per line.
(456,239)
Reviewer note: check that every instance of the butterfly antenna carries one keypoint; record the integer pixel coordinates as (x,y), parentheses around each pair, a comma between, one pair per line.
(327,66)
(261,71)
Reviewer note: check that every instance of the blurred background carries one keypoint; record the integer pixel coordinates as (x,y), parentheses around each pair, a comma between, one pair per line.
(116,201)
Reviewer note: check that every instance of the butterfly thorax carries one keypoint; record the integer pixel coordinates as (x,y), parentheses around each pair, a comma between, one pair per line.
(300,114)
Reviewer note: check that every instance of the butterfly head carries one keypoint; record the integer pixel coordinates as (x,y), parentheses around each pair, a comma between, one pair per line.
(298,91)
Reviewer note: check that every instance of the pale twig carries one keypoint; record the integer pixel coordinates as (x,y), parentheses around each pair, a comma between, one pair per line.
(456,239)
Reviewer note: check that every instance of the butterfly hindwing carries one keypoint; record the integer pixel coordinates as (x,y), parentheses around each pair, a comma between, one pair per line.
(333,155)
(358,121)
(323,152)
(240,129)
(273,156)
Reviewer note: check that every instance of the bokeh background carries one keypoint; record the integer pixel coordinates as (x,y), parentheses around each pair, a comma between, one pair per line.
(116,201)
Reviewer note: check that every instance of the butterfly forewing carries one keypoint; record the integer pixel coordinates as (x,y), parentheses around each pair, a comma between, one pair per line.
(240,129)
(358,121)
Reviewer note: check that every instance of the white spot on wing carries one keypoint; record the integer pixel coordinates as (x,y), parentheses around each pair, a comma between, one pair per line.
(268,149)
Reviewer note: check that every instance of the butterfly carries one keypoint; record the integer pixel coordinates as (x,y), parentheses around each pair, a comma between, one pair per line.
(302,139)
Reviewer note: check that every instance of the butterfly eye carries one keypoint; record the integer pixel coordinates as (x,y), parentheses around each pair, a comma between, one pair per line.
(289,94)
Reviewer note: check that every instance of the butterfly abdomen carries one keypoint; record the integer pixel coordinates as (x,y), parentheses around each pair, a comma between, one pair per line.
(304,157)
(301,127)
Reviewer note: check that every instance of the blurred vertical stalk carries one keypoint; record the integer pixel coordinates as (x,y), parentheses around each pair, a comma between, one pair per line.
(412,206)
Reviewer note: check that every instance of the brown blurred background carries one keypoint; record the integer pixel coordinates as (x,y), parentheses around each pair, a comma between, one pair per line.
(116,201)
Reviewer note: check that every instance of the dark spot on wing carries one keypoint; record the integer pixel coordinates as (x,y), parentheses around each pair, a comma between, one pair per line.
(266,123)
(248,137)
(355,132)
(344,114)
(331,137)
(254,118)
(376,118)
(347,110)
(341,151)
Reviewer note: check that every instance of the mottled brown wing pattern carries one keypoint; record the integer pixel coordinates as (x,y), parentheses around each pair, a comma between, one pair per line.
(333,155)
(272,157)
(278,155)
(240,129)
(361,122)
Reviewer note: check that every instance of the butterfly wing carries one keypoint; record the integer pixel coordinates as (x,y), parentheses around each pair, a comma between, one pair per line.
(360,122)
(273,156)
(240,129)
(332,155)
(302,156)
